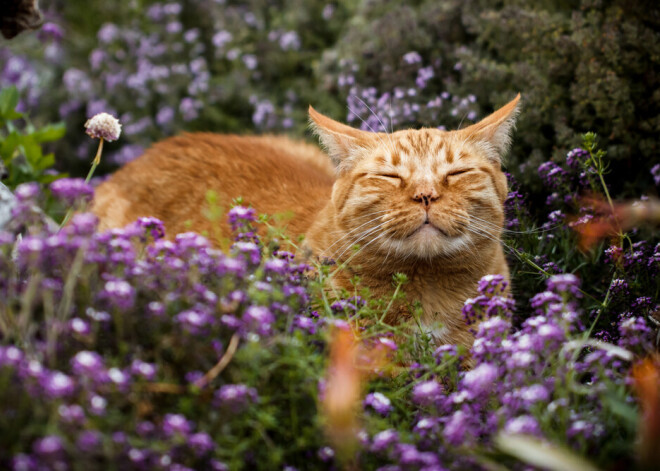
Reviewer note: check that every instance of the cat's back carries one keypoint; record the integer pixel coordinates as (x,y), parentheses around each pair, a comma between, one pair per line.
(170,181)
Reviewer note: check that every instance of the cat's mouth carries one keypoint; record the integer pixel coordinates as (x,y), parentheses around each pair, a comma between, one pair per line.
(427,227)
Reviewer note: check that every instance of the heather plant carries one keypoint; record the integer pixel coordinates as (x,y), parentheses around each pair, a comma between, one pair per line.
(145,352)
(136,350)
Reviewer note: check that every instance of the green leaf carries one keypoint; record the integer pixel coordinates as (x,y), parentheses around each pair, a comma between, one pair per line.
(8,147)
(47,161)
(32,150)
(8,102)
(620,408)
(51,132)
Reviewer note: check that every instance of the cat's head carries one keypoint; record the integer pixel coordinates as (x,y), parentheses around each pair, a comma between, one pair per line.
(419,193)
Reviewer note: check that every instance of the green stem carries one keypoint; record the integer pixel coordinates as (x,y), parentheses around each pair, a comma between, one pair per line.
(95,163)
(396,292)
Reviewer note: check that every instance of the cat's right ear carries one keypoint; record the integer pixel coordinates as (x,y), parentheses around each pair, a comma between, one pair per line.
(342,143)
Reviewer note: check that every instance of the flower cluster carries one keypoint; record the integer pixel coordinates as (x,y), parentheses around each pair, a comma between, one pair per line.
(144,316)
(514,386)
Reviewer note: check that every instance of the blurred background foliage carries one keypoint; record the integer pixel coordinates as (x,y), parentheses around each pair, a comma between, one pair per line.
(582,65)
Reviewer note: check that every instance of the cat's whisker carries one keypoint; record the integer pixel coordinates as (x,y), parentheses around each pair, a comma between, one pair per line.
(361,237)
(380,215)
(530,231)
(361,248)
(487,235)
(364,231)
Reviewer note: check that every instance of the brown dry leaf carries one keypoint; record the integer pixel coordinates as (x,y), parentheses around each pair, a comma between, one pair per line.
(646,377)
(351,363)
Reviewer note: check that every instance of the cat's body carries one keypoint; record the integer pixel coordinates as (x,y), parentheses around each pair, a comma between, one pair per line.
(425,203)
(171,180)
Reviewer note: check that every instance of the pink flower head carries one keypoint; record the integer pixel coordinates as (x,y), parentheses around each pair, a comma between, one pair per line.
(103,126)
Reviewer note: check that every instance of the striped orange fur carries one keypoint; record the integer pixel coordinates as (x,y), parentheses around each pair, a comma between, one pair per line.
(427,203)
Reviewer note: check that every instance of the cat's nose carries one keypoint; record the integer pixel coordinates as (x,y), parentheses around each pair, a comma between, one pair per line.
(426,196)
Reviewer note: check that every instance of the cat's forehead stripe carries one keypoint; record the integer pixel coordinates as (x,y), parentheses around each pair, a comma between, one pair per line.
(423,152)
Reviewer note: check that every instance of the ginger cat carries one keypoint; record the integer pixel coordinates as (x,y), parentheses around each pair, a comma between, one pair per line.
(426,203)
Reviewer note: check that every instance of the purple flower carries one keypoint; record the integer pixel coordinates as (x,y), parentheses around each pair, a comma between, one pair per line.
(426,392)
(277,266)
(143,369)
(155,227)
(533,394)
(83,224)
(79,326)
(425,425)
(201,443)
(566,283)
(57,384)
(10,356)
(165,115)
(388,343)
(145,429)
(87,363)
(326,453)
(194,320)
(384,440)
(221,39)
(304,323)
(576,157)
(88,441)
(71,414)
(23,462)
(258,319)
(176,424)
(480,380)
(524,424)
(635,335)
(49,446)
(241,216)
(119,293)
(540,300)
(354,304)
(27,191)
(378,402)
(553,175)
(119,378)
(249,250)
(456,428)
(71,190)
(412,57)
(655,172)
(235,396)
(492,285)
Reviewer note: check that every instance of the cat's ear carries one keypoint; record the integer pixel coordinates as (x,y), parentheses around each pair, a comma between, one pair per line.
(493,133)
(342,143)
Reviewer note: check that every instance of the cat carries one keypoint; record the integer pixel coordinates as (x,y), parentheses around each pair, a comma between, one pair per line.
(17,16)
(426,203)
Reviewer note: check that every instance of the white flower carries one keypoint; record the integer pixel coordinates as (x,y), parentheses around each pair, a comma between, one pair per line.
(103,126)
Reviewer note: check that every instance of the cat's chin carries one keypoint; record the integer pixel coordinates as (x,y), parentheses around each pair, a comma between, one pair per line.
(427,242)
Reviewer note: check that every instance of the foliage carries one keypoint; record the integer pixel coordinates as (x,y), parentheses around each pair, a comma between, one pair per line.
(22,156)
(580,65)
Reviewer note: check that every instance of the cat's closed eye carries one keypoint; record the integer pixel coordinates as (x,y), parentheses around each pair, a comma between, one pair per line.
(460,171)
(389,175)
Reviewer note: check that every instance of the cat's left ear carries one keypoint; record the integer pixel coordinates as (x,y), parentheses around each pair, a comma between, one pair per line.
(493,133)
(343,143)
